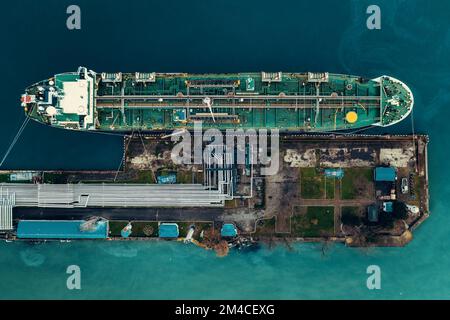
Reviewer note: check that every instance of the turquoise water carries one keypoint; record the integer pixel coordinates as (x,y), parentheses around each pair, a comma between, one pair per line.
(227,36)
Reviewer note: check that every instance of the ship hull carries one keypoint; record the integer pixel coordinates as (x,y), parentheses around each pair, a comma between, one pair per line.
(151,102)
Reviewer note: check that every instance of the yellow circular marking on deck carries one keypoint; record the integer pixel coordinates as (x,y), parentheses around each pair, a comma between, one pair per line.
(351,117)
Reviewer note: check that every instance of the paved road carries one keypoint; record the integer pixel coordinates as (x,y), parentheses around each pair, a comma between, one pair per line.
(152,214)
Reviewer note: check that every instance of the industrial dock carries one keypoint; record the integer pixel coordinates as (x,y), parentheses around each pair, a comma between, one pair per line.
(361,190)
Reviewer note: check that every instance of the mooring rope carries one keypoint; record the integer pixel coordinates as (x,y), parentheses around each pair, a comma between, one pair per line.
(123,158)
(14,141)
(145,150)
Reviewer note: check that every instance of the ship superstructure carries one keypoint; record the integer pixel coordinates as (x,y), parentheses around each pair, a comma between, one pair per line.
(297,102)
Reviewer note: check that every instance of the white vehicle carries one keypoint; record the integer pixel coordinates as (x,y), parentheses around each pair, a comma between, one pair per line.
(405,185)
(412,209)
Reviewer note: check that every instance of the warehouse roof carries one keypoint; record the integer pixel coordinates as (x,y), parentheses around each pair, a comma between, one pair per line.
(60,229)
(168,230)
(385,174)
(228,230)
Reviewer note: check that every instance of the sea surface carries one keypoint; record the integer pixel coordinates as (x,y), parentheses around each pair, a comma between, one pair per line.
(225,36)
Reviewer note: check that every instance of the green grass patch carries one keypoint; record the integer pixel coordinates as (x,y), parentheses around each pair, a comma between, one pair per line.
(145,176)
(141,228)
(137,228)
(350,211)
(329,187)
(189,176)
(201,226)
(314,184)
(115,227)
(184,177)
(183,228)
(265,227)
(313,222)
(355,178)
(50,177)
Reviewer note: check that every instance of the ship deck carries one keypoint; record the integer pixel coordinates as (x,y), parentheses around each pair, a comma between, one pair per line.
(314,102)
(238,101)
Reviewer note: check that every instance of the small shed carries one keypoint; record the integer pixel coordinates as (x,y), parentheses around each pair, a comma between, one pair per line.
(21,176)
(167,179)
(336,173)
(388,206)
(168,230)
(385,174)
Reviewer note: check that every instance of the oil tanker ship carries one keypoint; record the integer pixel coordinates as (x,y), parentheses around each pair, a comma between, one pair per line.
(297,102)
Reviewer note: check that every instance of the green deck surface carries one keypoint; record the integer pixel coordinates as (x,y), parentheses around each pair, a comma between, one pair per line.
(243,100)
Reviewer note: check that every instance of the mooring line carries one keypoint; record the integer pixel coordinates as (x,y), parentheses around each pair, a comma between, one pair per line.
(14,141)
(123,158)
